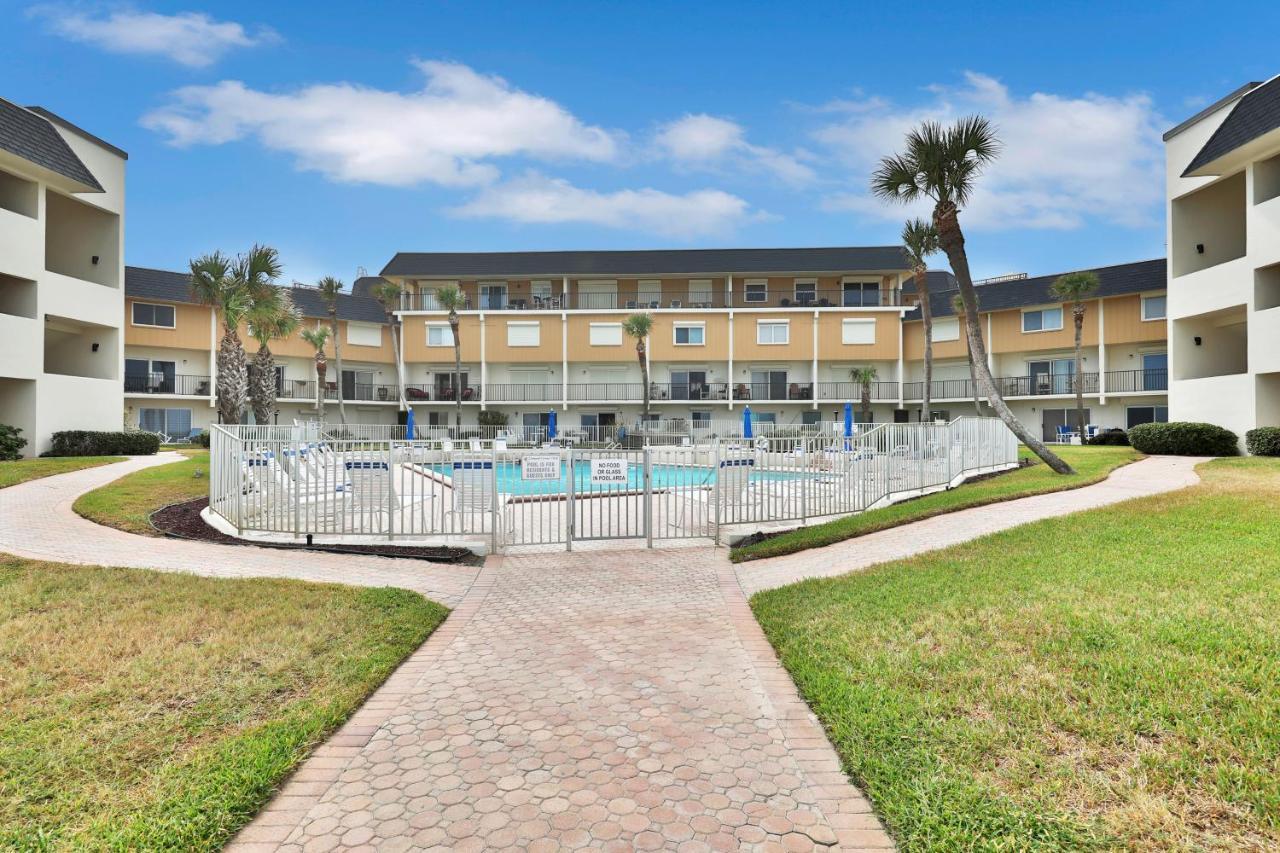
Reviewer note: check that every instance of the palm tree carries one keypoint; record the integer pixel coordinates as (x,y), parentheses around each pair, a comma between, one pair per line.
(272,317)
(214,283)
(450,299)
(638,326)
(330,288)
(920,239)
(390,294)
(864,376)
(1076,287)
(941,164)
(957,305)
(318,336)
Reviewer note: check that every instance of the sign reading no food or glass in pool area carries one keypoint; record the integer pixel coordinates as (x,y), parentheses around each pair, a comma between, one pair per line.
(546,467)
(608,470)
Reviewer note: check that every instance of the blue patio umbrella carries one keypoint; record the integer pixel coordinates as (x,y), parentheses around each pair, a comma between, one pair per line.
(551,424)
(848,420)
(409,428)
(746,422)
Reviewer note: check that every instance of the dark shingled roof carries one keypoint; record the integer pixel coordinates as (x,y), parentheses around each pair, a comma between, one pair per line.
(33,138)
(364,285)
(1118,280)
(938,280)
(646,262)
(57,119)
(167,286)
(1253,115)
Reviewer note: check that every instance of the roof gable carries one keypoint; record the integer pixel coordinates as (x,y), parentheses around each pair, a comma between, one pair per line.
(1255,114)
(34,138)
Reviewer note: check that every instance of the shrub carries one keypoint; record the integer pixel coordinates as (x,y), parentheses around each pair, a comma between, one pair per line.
(203,439)
(11,443)
(492,418)
(78,442)
(1181,438)
(1114,437)
(1263,441)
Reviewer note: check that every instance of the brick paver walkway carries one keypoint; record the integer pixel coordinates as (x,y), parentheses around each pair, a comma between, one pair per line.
(37,521)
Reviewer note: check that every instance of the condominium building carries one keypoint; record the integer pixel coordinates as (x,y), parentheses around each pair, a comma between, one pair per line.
(1223,195)
(778,330)
(62,194)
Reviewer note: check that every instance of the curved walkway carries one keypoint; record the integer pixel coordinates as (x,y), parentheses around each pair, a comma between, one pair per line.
(1150,476)
(37,521)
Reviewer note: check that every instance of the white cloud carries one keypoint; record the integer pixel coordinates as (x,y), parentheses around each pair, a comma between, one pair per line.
(707,142)
(1066,160)
(536,198)
(189,38)
(444,133)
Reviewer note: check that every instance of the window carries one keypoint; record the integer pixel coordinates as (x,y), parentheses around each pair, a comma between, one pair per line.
(605,334)
(649,292)
(1153,307)
(493,295)
(1042,320)
(755,291)
(143,376)
(1135,415)
(861,294)
(146,314)
(1053,376)
(764,417)
(700,420)
(690,334)
(439,335)
(700,292)
(810,418)
(946,329)
(364,334)
(806,291)
(524,334)
(858,332)
(773,332)
(175,423)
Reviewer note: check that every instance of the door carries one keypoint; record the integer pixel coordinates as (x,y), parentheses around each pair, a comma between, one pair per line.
(137,371)
(357,384)
(1155,371)
(1051,419)
(861,293)
(493,296)
(688,384)
(598,294)
(768,384)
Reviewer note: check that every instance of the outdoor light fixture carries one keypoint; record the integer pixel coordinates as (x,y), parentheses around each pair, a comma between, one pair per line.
(95,260)
(95,347)
(1197,340)
(1199,248)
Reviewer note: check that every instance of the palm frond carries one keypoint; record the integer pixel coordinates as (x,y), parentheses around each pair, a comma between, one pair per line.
(638,325)
(897,179)
(1075,286)
(389,294)
(330,288)
(920,239)
(450,298)
(210,276)
(317,336)
(259,268)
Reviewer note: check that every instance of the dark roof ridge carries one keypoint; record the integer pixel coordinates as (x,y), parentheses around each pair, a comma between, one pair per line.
(75,128)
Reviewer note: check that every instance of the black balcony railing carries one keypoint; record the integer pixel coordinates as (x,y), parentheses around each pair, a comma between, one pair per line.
(159,383)
(360,392)
(694,391)
(1048,384)
(635,301)
(852,391)
(1130,381)
(524,392)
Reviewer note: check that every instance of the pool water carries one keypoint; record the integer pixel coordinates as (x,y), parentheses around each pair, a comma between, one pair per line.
(511,481)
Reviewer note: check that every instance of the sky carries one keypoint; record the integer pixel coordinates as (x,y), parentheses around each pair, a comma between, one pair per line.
(342,136)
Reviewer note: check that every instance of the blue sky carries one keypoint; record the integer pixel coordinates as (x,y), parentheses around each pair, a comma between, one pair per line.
(342,137)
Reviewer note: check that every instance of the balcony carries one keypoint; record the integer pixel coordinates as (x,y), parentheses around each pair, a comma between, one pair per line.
(1135,381)
(852,391)
(160,383)
(305,390)
(711,300)
(1044,385)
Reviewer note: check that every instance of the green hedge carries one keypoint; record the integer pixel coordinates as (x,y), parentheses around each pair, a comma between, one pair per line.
(1114,437)
(1182,438)
(203,439)
(78,442)
(1263,441)
(11,443)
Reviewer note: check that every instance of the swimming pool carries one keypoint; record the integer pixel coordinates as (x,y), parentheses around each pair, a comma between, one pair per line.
(511,481)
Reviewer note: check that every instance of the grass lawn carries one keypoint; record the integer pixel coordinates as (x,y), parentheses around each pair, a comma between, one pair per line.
(22,470)
(128,502)
(1108,680)
(148,711)
(1091,463)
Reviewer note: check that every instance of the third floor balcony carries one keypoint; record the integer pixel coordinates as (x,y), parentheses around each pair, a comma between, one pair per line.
(501,300)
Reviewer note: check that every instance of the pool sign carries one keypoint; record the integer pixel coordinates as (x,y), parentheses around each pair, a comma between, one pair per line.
(545,467)
(608,470)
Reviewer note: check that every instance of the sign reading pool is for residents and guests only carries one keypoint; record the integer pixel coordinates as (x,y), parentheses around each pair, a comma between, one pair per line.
(608,470)
(546,467)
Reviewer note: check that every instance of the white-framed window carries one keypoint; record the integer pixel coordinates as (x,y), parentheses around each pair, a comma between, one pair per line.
(773,332)
(946,329)
(806,291)
(689,334)
(1042,320)
(151,314)
(700,290)
(524,334)
(1154,307)
(755,291)
(1136,415)
(364,334)
(605,334)
(857,331)
(439,335)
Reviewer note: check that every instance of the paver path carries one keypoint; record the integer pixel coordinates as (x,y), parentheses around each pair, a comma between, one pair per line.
(1149,476)
(37,521)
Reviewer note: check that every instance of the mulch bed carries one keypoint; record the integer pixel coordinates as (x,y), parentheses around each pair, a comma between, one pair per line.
(183,521)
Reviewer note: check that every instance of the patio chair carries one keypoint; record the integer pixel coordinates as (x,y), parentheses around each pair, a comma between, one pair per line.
(500,445)
(1065,434)
(475,445)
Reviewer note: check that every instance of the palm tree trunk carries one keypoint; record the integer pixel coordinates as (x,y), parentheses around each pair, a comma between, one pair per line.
(926,312)
(233,381)
(644,372)
(951,240)
(262,388)
(1078,313)
(457,371)
(973,378)
(321,370)
(395,346)
(337,357)
(866,402)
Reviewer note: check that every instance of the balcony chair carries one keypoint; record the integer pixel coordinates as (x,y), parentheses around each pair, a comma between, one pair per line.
(741,392)
(417,394)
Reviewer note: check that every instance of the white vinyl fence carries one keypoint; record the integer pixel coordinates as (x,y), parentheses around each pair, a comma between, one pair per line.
(515,488)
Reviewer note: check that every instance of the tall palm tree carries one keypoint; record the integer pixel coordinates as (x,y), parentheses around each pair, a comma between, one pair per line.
(330,288)
(450,299)
(942,164)
(957,305)
(920,239)
(214,283)
(318,336)
(390,294)
(1076,287)
(864,376)
(272,317)
(638,326)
